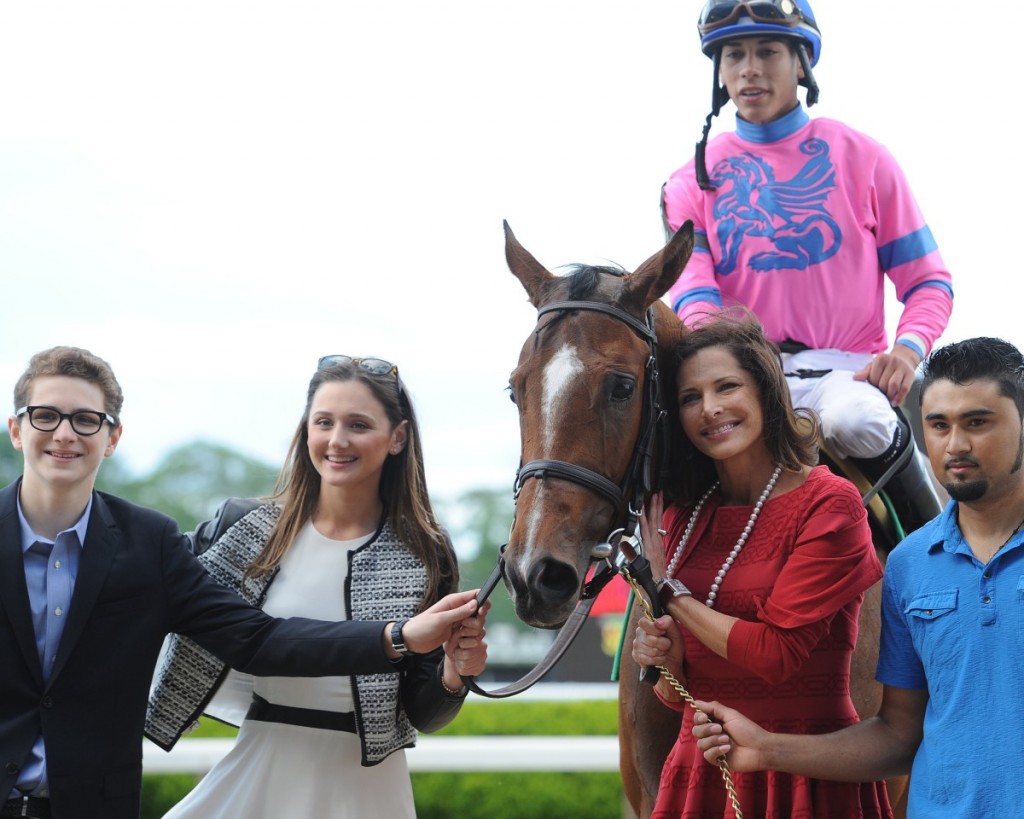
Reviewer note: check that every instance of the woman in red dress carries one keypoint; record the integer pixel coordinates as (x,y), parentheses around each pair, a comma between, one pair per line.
(768,558)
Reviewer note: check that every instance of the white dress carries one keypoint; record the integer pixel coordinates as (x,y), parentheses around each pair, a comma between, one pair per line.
(277,771)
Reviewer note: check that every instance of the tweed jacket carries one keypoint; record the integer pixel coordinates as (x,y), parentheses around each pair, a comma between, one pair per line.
(386,582)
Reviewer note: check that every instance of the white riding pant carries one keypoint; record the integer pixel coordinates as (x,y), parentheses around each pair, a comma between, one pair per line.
(857,420)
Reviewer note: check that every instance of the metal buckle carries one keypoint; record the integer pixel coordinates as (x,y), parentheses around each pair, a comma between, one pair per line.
(16,806)
(26,808)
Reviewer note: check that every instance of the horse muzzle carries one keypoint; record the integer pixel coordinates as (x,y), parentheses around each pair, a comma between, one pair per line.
(544,592)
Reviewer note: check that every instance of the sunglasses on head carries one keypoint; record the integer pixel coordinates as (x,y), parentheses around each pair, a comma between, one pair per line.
(377,366)
(718,13)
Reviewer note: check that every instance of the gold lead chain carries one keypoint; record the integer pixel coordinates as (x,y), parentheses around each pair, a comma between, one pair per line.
(723,764)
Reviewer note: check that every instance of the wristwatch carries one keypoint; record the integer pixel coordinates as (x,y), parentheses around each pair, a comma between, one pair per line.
(398,641)
(669,587)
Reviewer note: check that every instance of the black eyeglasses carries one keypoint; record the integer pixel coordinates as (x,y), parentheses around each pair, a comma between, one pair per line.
(84,422)
(377,366)
(718,13)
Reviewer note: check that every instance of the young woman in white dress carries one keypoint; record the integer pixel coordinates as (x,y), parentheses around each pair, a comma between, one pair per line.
(349,534)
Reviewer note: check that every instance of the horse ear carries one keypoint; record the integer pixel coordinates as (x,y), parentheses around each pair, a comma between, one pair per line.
(531,273)
(654,277)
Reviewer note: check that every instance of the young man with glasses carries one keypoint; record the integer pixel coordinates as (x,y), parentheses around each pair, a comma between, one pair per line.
(89,587)
(801,220)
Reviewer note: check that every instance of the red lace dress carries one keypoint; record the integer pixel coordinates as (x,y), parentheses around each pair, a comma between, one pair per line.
(797,587)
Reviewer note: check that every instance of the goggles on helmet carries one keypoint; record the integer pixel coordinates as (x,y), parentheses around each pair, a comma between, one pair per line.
(718,13)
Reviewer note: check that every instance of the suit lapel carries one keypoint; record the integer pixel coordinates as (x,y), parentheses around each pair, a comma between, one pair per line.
(13,590)
(101,543)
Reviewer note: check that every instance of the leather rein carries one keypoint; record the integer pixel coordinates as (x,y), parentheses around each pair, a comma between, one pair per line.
(637,482)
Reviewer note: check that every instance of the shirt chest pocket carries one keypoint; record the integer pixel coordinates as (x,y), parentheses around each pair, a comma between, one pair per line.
(935,624)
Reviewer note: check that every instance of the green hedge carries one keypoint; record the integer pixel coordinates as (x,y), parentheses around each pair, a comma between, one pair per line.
(517,795)
(478,795)
(530,718)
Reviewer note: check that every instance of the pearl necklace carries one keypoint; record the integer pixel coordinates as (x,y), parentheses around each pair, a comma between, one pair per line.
(710,602)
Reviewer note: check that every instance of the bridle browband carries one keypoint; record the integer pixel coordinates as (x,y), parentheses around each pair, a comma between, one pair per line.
(633,486)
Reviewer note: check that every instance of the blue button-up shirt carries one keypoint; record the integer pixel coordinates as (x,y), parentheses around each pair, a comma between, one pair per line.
(51,568)
(955,626)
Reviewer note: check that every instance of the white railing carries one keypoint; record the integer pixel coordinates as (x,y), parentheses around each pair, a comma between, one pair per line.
(464,754)
(444,753)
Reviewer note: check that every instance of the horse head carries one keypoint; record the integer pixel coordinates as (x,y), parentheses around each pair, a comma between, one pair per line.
(582,387)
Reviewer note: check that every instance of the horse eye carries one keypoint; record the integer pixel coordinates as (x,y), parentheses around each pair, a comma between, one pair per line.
(623,389)
(511,394)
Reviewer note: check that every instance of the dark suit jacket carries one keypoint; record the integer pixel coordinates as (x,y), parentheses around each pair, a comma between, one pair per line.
(137,581)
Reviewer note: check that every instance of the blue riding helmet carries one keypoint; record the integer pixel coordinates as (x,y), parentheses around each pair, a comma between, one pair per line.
(728,19)
(723,20)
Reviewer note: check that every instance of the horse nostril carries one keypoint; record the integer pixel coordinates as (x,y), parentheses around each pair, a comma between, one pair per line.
(553,581)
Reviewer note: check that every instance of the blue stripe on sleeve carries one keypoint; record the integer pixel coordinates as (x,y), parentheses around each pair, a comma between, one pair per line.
(941,285)
(712,295)
(907,248)
(912,346)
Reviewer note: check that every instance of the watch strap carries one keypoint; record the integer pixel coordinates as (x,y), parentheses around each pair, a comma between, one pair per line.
(397,640)
(669,588)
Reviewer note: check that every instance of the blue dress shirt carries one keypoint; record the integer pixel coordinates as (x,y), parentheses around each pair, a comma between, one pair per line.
(51,567)
(954,626)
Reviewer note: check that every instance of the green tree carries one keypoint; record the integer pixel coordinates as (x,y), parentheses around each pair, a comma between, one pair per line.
(188,483)
(10,461)
(191,481)
(479,522)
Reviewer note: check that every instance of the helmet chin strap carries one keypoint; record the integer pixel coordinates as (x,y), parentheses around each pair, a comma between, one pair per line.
(700,162)
(808,80)
(719,97)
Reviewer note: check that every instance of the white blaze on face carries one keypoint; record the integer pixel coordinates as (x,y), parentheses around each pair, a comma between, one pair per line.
(559,375)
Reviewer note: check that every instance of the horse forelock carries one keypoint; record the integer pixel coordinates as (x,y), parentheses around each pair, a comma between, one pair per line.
(583,281)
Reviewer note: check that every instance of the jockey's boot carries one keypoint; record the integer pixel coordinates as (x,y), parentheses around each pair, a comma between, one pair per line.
(909,488)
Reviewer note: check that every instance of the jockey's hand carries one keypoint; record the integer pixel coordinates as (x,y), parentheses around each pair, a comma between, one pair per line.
(892,373)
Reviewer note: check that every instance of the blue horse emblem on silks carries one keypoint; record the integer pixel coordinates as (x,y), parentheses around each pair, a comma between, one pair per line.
(790,214)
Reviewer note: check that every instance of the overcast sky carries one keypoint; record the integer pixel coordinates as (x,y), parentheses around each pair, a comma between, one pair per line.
(213,194)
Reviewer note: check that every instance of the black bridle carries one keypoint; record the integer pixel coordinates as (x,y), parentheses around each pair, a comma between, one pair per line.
(638,477)
(626,496)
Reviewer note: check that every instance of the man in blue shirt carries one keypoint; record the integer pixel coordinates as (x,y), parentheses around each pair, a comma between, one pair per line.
(89,587)
(953,617)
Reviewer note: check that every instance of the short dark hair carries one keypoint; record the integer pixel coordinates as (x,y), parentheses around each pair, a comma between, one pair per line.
(991,359)
(75,363)
(792,436)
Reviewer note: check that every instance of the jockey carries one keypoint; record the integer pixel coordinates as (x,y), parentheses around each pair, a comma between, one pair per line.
(799,220)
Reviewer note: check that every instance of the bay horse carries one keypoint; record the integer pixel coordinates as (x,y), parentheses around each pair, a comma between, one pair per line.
(582,390)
